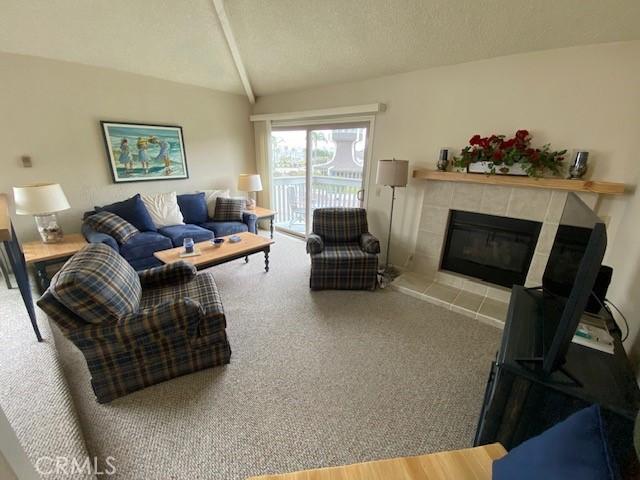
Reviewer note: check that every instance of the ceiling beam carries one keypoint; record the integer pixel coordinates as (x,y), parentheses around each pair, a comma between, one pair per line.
(233,46)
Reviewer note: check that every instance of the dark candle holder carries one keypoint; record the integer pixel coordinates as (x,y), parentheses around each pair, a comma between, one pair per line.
(443,160)
(579,166)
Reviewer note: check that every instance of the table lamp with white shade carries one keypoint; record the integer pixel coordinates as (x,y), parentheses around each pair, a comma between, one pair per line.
(392,173)
(250,182)
(42,200)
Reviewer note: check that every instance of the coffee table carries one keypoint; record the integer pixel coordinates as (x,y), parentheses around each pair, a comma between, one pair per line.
(210,255)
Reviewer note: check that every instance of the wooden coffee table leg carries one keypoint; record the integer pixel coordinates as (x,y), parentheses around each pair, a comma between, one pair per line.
(266,260)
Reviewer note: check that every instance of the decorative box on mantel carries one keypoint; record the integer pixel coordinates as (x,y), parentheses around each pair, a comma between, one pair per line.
(525,198)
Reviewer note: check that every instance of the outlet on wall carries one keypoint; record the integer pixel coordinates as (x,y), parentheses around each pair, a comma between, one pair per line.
(25,161)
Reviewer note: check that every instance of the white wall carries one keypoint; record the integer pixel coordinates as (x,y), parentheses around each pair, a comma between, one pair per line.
(575,98)
(51,111)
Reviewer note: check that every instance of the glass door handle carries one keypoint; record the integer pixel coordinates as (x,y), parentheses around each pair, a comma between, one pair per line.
(360,195)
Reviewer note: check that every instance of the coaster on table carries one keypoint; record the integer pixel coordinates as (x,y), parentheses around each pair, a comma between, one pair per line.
(195,253)
(234,239)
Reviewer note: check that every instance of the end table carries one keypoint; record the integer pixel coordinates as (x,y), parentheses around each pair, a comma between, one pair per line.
(264,213)
(41,255)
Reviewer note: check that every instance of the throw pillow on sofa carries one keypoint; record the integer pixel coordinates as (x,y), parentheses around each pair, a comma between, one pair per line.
(163,209)
(574,448)
(210,196)
(193,207)
(229,209)
(133,211)
(112,224)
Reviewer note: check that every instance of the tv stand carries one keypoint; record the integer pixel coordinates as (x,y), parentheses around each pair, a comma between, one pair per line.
(521,400)
(535,365)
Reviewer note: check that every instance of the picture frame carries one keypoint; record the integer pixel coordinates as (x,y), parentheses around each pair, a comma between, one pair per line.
(139,152)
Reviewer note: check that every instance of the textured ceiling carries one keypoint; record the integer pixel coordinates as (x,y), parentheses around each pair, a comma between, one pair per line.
(179,40)
(296,44)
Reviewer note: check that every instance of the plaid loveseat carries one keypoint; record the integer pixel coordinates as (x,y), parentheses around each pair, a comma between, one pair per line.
(136,329)
(344,255)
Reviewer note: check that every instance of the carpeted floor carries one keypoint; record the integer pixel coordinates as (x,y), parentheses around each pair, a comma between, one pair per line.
(34,394)
(316,379)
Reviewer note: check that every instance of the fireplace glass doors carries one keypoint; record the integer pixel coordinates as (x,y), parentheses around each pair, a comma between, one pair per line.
(491,248)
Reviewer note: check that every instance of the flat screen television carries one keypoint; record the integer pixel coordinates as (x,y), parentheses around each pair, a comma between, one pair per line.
(568,280)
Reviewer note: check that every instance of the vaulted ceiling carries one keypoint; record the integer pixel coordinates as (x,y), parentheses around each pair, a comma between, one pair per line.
(179,40)
(296,44)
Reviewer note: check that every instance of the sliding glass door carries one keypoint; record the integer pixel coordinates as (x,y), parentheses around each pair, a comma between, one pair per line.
(289,185)
(316,167)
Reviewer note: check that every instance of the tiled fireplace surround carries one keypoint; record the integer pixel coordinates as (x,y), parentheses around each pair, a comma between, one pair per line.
(475,298)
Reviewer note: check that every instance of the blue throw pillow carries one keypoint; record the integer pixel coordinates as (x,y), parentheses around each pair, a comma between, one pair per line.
(193,207)
(574,448)
(133,211)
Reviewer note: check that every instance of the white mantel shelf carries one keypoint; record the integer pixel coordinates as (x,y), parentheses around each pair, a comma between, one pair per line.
(593,186)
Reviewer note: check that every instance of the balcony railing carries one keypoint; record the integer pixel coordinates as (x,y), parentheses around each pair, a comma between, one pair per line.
(326,191)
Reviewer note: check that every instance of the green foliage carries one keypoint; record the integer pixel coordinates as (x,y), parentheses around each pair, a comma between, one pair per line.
(501,154)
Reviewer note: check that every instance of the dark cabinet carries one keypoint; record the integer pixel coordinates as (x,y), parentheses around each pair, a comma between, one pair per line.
(521,402)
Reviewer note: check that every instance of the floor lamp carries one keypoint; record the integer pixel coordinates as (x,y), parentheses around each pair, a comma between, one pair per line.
(392,173)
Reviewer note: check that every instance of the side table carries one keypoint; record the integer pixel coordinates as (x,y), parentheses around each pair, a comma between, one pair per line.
(264,213)
(41,255)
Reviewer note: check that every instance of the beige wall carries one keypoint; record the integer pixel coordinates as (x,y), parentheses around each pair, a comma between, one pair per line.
(575,98)
(51,111)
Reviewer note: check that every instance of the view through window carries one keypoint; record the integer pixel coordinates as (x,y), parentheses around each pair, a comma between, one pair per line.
(334,176)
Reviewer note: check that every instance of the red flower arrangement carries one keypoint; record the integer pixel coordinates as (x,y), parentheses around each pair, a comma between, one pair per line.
(501,153)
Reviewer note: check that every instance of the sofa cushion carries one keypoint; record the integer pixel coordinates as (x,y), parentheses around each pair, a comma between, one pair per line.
(143,245)
(177,233)
(222,229)
(574,448)
(229,209)
(193,207)
(133,211)
(113,225)
(210,197)
(344,255)
(97,284)
(340,224)
(163,208)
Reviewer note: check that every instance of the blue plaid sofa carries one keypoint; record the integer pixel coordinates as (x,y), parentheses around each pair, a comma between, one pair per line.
(136,329)
(344,255)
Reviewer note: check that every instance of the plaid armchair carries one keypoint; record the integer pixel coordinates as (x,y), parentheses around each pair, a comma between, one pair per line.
(344,255)
(136,329)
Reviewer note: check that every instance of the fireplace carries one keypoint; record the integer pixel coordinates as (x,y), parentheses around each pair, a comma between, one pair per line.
(491,248)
